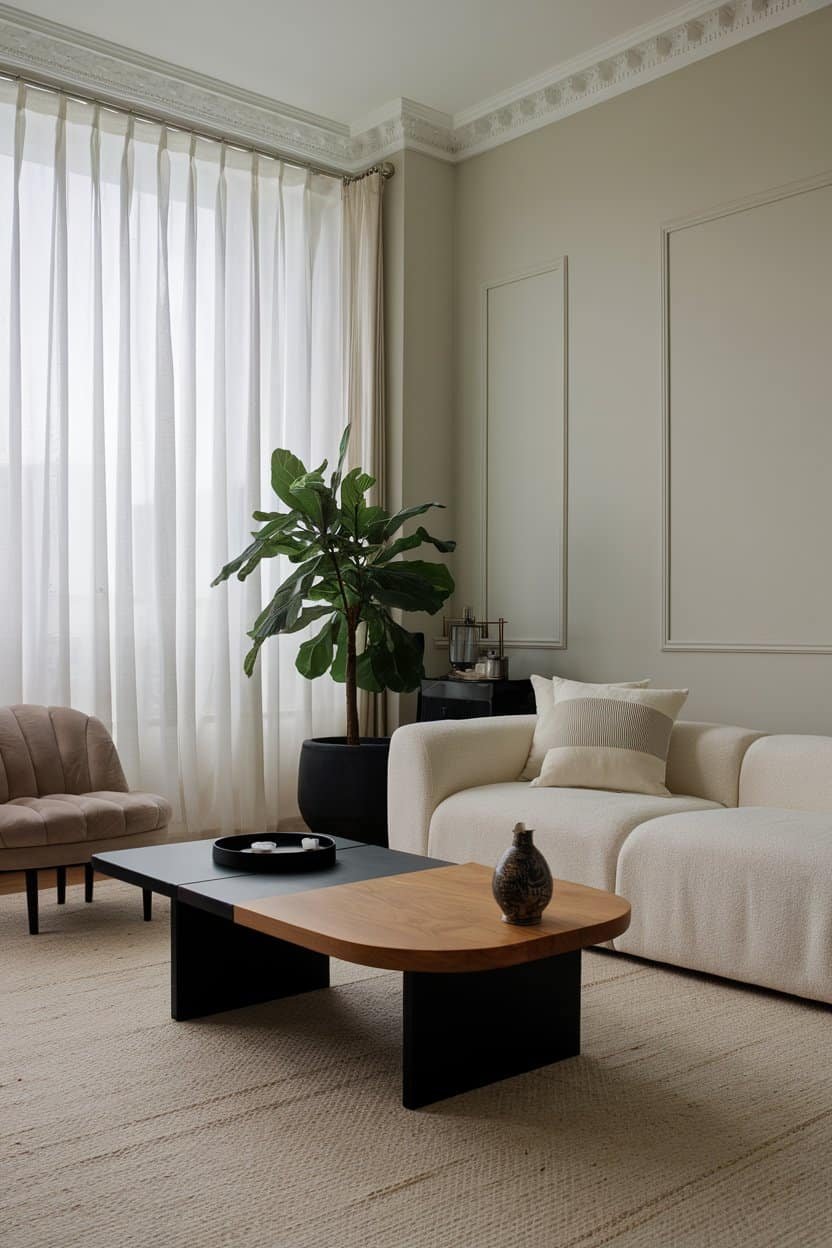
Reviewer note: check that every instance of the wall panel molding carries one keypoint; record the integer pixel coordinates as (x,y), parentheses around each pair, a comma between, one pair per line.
(672,640)
(555,486)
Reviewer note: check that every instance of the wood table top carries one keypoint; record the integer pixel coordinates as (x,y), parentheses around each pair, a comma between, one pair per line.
(441,919)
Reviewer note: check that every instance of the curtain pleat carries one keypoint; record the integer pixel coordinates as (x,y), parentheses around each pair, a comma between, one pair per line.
(186,517)
(126,709)
(11,655)
(220,721)
(165,485)
(53,674)
(251,701)
(101,700)
(363,362)
(173,311)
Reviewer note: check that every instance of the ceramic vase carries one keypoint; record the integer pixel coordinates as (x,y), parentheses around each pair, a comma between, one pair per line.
(522,883)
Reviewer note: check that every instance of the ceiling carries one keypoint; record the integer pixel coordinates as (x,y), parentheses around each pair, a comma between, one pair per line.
(343,59)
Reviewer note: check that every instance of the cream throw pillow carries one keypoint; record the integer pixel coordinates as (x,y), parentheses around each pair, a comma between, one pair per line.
(545,688)
(610,737)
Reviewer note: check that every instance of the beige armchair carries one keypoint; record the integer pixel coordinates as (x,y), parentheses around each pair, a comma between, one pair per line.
(63,798)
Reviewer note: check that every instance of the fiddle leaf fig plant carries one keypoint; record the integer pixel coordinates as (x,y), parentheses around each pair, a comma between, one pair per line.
(347,573)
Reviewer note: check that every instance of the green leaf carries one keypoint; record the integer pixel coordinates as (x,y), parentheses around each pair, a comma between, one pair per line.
(369,520)
(353,488)
(268,550)
(342,455)
(316,498)
(365,676)
(286,468)
(308,616)
(269,541)
(281,615)
(325,590)
(284,607)
(305,550)
(339,663)
(410,543)
(401,517)
(315,655)
(251,658)
(412,585)
(235,564)
(409,653)
(395,654)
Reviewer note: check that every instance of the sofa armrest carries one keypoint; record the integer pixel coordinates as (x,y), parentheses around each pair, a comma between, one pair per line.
(430,761)
(704,760)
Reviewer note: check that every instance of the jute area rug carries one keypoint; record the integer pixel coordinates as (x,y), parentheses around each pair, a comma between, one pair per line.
(699,1113)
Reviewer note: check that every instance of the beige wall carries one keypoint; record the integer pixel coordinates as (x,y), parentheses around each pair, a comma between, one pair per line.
(418,264)
(597,187)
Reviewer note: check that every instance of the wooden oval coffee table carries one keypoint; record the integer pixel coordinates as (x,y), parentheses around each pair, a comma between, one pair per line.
(483,1000)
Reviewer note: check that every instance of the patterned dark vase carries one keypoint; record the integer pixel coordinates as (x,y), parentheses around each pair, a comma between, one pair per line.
(522,883)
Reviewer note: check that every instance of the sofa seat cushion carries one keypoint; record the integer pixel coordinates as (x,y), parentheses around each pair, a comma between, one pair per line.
(69,818)
(743,893)
(580,831)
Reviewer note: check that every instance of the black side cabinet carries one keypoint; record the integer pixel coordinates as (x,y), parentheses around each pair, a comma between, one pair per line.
(472,699)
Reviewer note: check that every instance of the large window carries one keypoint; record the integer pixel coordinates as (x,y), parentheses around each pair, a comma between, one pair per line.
(169,313)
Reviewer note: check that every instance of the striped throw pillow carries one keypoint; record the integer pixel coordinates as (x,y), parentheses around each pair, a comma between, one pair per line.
(610,739)
(545,690)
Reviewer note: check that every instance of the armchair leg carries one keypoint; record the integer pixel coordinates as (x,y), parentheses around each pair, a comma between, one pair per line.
(60,872)
(32,900)
(89,879)
(147,904)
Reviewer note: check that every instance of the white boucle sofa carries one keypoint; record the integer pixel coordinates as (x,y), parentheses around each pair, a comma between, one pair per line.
(731,874)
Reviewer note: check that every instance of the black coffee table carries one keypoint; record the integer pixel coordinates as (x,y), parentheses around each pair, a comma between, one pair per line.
(215,963)
(483,1000)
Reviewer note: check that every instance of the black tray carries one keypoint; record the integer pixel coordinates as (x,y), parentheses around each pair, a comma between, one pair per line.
(234,851)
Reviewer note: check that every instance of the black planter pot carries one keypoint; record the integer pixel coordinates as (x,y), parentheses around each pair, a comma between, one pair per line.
(342,789)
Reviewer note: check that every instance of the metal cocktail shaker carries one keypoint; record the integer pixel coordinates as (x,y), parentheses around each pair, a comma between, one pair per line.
(463,641)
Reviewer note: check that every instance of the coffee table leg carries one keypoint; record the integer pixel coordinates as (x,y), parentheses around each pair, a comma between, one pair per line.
(218,965)
(462,1031)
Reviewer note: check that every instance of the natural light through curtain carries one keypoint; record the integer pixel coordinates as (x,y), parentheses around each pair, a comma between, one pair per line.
(169,313)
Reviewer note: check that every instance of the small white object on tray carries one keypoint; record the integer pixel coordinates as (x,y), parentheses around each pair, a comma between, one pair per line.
(310,842)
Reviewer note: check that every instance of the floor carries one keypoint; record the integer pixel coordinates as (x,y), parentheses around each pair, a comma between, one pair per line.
(699,1114)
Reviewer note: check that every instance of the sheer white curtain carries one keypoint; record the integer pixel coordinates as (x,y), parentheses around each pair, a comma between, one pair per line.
(170,311)
(363,330)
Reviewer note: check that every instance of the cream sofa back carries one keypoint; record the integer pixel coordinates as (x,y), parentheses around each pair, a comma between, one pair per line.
(788,772)
(430,762)
(704,760)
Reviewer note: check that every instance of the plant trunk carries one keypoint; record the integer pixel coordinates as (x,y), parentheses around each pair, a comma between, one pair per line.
(353,737)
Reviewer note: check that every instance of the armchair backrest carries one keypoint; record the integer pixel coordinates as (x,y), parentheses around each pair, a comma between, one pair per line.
(54,749)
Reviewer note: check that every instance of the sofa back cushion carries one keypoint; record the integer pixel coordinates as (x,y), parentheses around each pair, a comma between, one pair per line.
(546,732)
(54,749)
(610,737)
(788,772)
(704,760)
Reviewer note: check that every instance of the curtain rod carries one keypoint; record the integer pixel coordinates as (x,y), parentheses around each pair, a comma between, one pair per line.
(386,169)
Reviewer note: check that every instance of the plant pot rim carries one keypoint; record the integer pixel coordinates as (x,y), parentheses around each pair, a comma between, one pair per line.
(329,743)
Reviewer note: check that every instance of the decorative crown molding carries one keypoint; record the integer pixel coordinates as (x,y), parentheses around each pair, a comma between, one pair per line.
(62,57)
(67,58)
(404,124)
(696,30)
